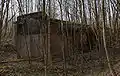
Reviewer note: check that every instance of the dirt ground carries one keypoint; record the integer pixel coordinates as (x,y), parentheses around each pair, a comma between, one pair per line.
(93,64)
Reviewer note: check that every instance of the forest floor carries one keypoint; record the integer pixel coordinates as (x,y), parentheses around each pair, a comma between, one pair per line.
(96,66)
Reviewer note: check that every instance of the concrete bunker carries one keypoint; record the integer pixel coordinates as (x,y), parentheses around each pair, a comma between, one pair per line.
(31,36)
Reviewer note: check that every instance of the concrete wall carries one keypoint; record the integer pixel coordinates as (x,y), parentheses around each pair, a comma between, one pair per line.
(29,45)
(34,43)
(23,45)
(36,46)
(56,41)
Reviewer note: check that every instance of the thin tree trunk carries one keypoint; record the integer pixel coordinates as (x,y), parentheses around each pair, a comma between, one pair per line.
(89,4)
(1,18)
(48,47)
(84,12)
(104,41)
(45,51)
(63,36)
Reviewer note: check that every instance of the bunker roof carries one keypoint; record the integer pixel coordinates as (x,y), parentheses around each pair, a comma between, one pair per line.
(39,15)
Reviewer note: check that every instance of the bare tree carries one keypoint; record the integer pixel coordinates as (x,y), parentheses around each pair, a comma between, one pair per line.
(106,51)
